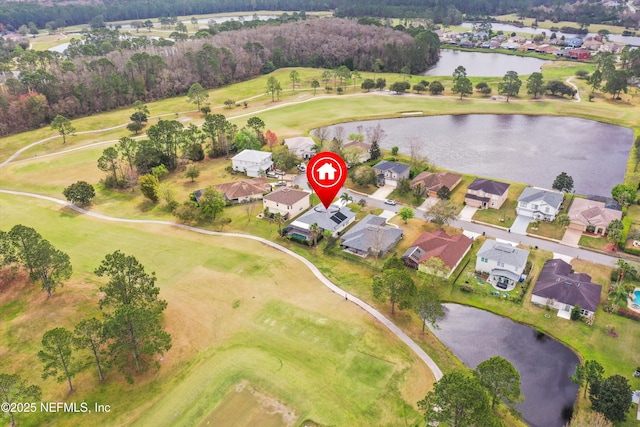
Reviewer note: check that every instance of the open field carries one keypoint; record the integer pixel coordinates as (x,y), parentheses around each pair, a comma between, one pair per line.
(233,317)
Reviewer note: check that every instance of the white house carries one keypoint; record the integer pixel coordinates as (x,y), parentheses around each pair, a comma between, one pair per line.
(252,162)
(539,203)
(287,201)
(302,146)
(504,263)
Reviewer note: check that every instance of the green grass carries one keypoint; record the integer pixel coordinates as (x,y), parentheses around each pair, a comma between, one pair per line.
(551,229)
(291,338)
(591,242)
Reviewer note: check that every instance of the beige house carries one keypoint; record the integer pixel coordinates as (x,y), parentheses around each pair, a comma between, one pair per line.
(287,202)
(590,214)
(486,193)
(433,182)
(356,152)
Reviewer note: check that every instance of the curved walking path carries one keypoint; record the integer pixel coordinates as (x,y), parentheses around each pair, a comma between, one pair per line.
(437,373)
(570,83)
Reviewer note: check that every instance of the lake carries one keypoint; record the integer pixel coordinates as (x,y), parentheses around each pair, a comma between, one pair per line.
(481,64)
(544,364)
(520,148)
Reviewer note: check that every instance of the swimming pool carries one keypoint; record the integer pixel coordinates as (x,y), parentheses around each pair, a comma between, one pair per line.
(636,299)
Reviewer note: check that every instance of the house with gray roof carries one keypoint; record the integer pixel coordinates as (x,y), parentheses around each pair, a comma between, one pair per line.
(504,263)
(303,147)
(539,203)
(559,287)
(389,173)
(371,235)
(335,219)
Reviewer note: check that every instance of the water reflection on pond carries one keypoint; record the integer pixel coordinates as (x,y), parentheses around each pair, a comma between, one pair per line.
(483,64)
(520,148)
(544,364)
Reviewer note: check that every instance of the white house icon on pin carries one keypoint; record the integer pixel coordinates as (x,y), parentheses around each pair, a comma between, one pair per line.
(326,171)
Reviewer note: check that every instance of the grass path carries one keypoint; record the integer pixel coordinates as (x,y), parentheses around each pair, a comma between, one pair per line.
(437,372)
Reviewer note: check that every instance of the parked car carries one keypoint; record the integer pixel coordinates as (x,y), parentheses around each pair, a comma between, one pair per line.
(280,183)
(272,175)
(389,202)
(301,168)
(279,172)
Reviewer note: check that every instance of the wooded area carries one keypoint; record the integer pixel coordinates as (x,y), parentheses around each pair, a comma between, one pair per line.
(50,85)
(15,14)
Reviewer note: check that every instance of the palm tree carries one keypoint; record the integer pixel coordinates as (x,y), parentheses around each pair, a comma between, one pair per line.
(278,218)
(315,232)
(563,220)
(346,198)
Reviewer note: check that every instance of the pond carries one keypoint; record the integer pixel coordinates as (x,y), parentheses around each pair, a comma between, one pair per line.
(520,148)
(481,64)
(544,364)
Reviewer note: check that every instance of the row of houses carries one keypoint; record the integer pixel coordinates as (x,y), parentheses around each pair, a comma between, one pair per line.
(504,266)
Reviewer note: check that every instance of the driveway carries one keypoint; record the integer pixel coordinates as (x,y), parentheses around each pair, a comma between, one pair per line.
(467,213)
(382,192)
(520,224)
(426,205)
(571,237)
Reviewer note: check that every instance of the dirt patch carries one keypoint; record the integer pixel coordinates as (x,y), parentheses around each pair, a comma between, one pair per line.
(249,406)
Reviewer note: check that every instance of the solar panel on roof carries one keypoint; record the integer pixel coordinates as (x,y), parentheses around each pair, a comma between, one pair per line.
(340,217)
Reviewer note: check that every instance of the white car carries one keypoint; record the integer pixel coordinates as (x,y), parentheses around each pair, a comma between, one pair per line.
(301,168)
(389,202)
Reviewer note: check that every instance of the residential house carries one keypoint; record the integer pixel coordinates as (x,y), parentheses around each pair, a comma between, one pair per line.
(287,202)
(450,249)
(574,42)
(335,219)
(241,191)
(504,263)
(591,215)
(371,235)
(361,151)
(303,147)
(486,193)
(252,162)
(559,287)
(579,54)
(389,173)
(538,203)
(509,45)
(432,182)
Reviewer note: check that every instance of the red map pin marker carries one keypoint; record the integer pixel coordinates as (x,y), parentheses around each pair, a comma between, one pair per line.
(326,173)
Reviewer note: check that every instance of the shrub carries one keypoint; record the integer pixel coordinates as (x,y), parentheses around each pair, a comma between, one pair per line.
(629,314)
(466,288)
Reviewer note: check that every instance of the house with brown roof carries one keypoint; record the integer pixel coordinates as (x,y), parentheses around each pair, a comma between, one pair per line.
(245,190)
(240,191)
(450,249)
(591,215)
(486,193)
(433,182)
(289,202)
(560,288)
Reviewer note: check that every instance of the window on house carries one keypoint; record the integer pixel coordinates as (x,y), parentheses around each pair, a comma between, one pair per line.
(534,206)
(546,209)
(500,264)
(484,259)
(523,204)
(584,312)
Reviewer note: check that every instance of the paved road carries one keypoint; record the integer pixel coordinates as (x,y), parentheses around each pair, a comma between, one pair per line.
(437,373)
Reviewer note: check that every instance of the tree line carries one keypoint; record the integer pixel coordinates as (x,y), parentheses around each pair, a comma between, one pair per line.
(128,337)
(51,85)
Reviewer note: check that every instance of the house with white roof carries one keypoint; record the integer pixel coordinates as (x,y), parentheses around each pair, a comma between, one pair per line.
(504,263)
(335,219)
(252,162)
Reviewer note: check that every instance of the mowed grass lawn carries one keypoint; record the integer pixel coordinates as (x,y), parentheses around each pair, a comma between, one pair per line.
(236,313)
